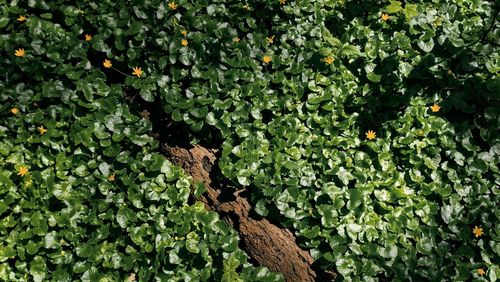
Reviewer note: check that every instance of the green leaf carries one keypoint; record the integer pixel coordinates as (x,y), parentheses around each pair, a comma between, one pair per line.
(156,162)
(210,119)
(192,243)
(355,198)
(147,95)
(4,21)
(351,51)
(38,269)
(394,7)
(447,213)
(410,11)
(373,77)
(426,46)
(200,189)
(424,246)
(231,263)
(50,240)
(493,272)
(46,16)
(243,180)
(104,168)
(7,252)
(122,218)
(134,28)
(294,152)
(344,175)
(478,165)
(184,59)
(260,208)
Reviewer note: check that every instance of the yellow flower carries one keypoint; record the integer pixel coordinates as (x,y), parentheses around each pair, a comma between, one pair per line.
(481,272)
(370,135)
(41,129)
(385,17)
(184,32)
(267,59)
(20,52)
(137,71)
(14,111)
(111,177)
(184,42)
(282,2)
(21,18)
(246,6)
(435,108)
(107,63)
(236,39)
(172,5)
(63,253)
(270,39)
(88,37)
(22,170)
(329,60)
(477,231)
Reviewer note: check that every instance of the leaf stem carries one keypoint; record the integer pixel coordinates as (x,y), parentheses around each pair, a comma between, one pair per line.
(121,72)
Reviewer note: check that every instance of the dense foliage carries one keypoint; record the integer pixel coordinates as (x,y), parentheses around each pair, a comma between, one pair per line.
(368,127)
(84,195)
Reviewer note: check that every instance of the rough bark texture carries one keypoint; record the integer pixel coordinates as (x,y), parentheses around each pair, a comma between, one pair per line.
(265,242)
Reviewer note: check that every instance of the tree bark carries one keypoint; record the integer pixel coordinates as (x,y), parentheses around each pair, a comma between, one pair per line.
(268,244)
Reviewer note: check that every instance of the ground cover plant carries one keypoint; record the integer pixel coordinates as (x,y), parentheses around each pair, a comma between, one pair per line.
(369,128)
(85,196)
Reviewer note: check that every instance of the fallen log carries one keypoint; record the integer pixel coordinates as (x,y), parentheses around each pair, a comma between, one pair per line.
(271,246)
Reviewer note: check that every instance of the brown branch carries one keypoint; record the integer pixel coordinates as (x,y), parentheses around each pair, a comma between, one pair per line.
(268,244)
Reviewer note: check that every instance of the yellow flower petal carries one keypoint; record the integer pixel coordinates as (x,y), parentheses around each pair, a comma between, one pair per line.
(107,63)
(22,171)
(481,272)
(329,60)
(270,39)
(370,135)
(267,59)
(137,71)
(184,42)
(21,18)
(172,5)
(385,17)
(477,231)
(14,111)
(42,130)
(435,108)
(20,52)
(88,37)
